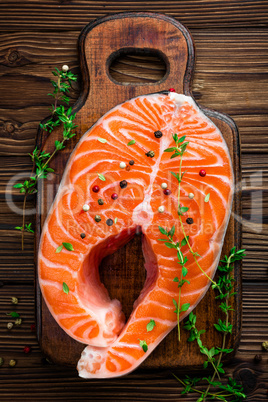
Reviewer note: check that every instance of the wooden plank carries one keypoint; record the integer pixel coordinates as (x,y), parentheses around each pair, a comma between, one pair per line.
(35,378)
(34,14)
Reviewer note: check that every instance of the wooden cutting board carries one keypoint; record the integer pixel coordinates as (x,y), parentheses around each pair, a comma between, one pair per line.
(123,273)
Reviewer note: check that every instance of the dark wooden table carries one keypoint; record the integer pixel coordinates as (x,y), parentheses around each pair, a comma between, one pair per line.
(231,76)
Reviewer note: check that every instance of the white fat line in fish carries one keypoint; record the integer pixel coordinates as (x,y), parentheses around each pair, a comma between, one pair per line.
(124,355)
(124,152)
(135,125)
(140,135)
(122,344)
(64,316)
(156,303)
(54,244)
(153,120)
(80,323)
(56,265)
(62,227)
(157,320)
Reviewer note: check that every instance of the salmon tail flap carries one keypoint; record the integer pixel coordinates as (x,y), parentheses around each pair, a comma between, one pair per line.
(125,133)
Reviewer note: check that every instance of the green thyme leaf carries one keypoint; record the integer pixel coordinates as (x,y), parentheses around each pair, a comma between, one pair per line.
(102,140)
(131,142)
(18,185)
(115,221)
(65,287)
(207,197)
(101,177)
(13,314)
(162,230)
(185,307)
(184,241)
(143,345)
(170,149)
(58,249)
(150,326)
(68,246)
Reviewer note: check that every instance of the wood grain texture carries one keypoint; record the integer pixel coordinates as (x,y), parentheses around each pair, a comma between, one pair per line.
(231,47)
(98,50)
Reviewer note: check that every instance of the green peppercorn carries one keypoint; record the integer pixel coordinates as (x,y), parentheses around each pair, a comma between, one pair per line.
(150,154)
(100,201)
(97,218)
(265,345)
(1,361)
(12,363)
(14,300)
(18,321)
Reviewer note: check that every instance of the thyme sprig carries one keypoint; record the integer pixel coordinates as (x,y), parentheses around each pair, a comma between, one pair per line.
(40,158)
(225,284)
(170,243)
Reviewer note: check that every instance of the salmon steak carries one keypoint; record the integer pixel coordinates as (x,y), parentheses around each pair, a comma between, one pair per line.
(121,178)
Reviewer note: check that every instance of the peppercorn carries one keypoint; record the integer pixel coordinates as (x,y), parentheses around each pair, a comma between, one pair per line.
(123,184)
(82,235)
(1,361)
(131,162)
(265,346)
(97,218)
(202,173)
(167,191)
(128,168)
(9,325)
(14,300)
(12,363)
(27,349)
(172,90)
(95,189)
(114,196)
(33,327)
(158,134)
(150,154)
(100,201)
(189,221)
(18,321)
(258,358)
(65,68)
(109,222)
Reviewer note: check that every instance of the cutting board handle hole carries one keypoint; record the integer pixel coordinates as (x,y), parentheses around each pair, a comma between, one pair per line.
(137,66)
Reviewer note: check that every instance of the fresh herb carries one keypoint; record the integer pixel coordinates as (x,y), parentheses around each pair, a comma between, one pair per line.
(214,355)
(143,345)
(13,314)
(40,158)
(65,287)
(101,177)
(115,220)
(131,142)
(68,247)
(58,249)
(207,197)
(150,326)
(102,140)
(170,243)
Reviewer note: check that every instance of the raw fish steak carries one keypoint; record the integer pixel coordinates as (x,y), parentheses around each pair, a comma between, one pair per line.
(118,179)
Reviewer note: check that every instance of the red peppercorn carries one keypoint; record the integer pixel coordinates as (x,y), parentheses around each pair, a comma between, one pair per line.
(33,327)
(27,349)
(114,196)
(202,173)
(95,189)
(172,90)
(167,191)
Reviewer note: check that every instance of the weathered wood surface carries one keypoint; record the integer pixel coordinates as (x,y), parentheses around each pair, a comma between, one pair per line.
(231,76)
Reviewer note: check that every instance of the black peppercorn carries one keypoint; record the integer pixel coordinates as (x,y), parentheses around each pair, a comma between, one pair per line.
(123,184)
(189,221)
(131,162)
(109,222)
(82,235)
(100,201)
(158,134)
